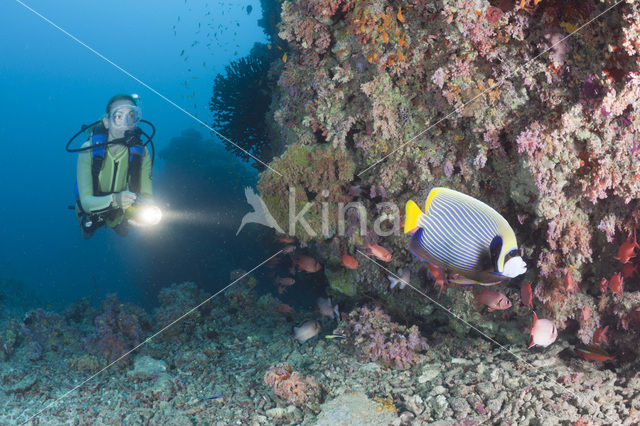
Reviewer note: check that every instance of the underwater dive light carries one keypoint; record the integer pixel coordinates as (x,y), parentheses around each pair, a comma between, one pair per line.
(151,214)
(144,215)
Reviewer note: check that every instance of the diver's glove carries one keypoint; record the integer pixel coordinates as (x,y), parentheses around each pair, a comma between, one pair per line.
(514,267)
(123,200)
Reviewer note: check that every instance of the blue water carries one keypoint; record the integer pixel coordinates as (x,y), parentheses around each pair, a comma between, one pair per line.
(50,85)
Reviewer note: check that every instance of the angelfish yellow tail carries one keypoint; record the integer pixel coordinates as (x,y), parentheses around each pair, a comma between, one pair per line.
(411,215)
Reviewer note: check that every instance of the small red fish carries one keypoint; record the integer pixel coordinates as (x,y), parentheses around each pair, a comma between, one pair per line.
(604,285)
(495,300)
(593,353)
(526,295)
(285,309)
(439,275)
(599,335)
(615,284)
(627,249)
(569,284)
(285,240)
(285,281)
(379,252)
(349,262)
(306,263)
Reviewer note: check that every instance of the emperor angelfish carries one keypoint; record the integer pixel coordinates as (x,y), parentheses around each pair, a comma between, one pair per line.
(465,236)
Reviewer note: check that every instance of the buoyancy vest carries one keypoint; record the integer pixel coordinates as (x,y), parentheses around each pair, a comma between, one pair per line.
(136,154)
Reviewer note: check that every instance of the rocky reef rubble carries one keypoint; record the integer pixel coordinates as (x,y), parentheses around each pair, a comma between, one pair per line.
(240,363)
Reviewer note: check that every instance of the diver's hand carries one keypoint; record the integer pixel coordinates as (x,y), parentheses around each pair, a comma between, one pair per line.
(123,200)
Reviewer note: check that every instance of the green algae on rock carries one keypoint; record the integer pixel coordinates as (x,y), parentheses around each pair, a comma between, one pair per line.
(313,179)
(342,281)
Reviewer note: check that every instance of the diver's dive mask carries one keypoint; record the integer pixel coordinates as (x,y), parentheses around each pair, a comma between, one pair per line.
(125,117)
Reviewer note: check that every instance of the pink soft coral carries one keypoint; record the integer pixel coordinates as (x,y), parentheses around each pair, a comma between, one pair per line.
(289,385)
(530,140)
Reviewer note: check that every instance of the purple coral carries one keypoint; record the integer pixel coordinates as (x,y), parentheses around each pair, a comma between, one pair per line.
(117,330)
(380,339)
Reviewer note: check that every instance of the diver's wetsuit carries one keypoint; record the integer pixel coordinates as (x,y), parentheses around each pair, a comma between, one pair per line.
(112,179)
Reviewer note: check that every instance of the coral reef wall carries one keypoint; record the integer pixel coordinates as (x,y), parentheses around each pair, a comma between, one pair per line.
(492,98)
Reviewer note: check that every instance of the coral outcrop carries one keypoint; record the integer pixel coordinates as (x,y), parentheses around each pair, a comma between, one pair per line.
(507,107)
(175,301)
(290,385)
(118,329)
(380,339)
(314,180)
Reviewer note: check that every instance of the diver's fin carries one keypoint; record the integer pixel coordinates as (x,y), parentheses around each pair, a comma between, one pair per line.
(411,215)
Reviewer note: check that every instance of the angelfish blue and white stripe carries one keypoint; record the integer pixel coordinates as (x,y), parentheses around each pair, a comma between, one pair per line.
(456,231)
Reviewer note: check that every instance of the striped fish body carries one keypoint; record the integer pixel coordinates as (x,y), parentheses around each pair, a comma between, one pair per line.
(461,234)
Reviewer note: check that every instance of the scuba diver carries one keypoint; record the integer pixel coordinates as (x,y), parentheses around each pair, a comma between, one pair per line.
(113,186)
